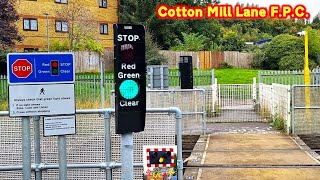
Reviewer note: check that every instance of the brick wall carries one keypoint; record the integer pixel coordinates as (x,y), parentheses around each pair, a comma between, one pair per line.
(38,39)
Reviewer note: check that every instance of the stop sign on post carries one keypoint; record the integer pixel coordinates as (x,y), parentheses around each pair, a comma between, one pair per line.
(21,68)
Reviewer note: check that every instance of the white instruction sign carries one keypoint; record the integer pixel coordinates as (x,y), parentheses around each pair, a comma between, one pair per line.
(41,100)
(59,125)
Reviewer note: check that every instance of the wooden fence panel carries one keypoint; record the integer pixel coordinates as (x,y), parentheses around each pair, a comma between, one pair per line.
(231,57)
(86,62)
(90,61)
(245,60)
(238,59)
(205,59)
(174,57)
(217,58)
(108,60)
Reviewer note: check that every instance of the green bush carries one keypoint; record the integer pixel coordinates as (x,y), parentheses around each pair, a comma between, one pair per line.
(282,46)
(3,55)
(226,65)
(153,56)
(294,62)
(259,58)
(278,123)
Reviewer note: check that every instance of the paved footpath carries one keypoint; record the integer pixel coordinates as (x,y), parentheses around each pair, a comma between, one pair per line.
(252,145)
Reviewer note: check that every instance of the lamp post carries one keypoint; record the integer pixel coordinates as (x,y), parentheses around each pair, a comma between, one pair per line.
(48,38)
(306,74)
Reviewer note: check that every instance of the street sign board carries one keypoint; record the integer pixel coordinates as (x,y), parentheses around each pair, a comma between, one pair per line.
(40,68)
(130,78)
(59,125)
(38,100)
(21,68)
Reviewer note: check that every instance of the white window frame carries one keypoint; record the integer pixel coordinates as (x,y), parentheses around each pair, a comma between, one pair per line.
(104,28)
(103,3)
(61,26)
(61,1)
(30,24)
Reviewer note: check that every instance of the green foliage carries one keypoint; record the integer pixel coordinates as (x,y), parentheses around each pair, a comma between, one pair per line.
(259,57)
(232,41)
(86,43)
(191,42)
(3,55)
(291,62)
(225,65)
(278,123)
(8,32)
(153,56)
(281,46)
(316,22)
(59,46)
(314,44)
(229,34)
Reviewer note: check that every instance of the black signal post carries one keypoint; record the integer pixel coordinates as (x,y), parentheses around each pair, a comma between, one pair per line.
(130,78)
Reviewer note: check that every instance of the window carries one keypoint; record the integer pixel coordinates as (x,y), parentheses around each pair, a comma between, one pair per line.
(30,24)
(103,3)
(103,28)
(31,49)
(61,1)
(61,26)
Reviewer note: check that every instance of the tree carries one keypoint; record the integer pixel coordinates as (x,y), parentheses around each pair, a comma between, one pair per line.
(191,42)
(8,32)
(80,22)
(314,44)
(167,33)
(316,22)
(153,57)
(280,47)
(232,41)
(294,62)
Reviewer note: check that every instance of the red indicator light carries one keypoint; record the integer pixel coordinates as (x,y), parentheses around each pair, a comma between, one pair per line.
(54,63)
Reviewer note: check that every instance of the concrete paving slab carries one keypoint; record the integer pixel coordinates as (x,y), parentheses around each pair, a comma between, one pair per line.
(256,149)
(251,141)
(261,174)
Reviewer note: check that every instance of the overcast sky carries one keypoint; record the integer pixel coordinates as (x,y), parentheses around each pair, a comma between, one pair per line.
(313,6)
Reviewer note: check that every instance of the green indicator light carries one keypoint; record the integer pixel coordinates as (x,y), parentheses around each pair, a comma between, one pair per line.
(54,71)
(129,89)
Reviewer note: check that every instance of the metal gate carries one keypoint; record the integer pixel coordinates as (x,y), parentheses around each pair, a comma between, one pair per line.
(305,109)
(235,103)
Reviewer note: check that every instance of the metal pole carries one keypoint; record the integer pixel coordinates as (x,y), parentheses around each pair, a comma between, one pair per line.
(102,85)
(48,38)
(107,143)
(127,156)
(62,157)
(212,76)
(37,156)
(307,78)
(26,148)
(179,141)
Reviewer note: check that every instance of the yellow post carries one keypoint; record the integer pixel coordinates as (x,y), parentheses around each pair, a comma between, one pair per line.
(307,77)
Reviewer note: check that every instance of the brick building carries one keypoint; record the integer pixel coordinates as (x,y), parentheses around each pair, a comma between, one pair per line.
(34,15)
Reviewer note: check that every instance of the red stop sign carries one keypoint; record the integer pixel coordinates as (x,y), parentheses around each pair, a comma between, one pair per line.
(21,68)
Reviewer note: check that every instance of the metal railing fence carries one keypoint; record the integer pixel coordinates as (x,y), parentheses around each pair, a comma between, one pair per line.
(305,109)
(93,153)
(295,77)
(89,86)
(275,101)
(191,102)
